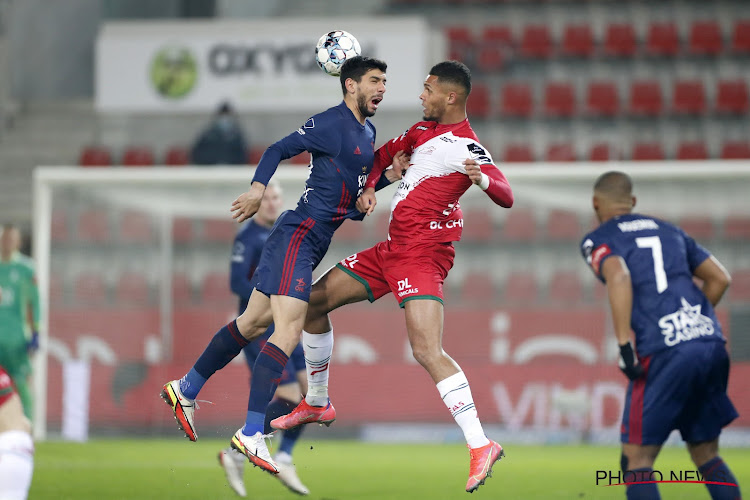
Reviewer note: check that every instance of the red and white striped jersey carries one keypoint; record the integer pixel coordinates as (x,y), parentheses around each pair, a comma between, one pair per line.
(425,206)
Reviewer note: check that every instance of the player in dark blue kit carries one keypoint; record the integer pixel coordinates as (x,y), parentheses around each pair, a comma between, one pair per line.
(679,370)
(341,142)
(246,251)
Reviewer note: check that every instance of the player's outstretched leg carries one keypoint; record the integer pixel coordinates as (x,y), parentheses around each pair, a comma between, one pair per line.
(233,463)
(288,476)
(183,408)
(306,414)
(482,460)
(255,449)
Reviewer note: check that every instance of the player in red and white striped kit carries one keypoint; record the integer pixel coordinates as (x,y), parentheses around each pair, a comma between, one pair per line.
(446,159)
(16,446)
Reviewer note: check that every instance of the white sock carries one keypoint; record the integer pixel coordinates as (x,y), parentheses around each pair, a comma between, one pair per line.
(456,395)
(16,464)
(318,350)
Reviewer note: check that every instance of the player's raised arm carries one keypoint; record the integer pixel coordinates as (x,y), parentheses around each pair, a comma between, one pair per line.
(491,180)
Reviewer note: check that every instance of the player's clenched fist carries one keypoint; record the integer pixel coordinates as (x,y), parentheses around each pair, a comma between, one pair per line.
(473,171)
(247,204)
(366,202)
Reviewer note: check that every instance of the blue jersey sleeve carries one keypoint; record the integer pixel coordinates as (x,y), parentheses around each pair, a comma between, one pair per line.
(595,250)
(696,254)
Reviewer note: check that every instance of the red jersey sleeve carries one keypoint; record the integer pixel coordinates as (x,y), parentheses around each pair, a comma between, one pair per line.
(385,153)
(499,190)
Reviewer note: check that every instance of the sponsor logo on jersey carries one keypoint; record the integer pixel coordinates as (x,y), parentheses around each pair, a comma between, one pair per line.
(422,127)
(450,224)
(476,149)
(447,139)
(598,255)
(637,225)
(686,323)
(304,195)
(587,247)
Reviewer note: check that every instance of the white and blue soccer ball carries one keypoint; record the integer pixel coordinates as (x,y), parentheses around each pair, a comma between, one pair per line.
(333,49)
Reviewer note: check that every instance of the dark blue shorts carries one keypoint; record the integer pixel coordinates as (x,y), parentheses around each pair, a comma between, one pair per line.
(296,360)
(294,248)
(684,388)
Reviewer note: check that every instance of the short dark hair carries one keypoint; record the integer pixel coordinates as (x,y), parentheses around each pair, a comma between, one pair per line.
(356,67)
(614,184)
(454,72)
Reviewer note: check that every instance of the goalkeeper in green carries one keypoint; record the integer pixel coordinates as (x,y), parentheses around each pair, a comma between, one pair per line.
(19,314)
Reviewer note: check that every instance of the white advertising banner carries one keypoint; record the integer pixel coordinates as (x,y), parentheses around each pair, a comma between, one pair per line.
(263,65)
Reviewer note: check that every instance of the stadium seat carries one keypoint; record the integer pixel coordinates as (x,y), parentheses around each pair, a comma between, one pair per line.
(182,290)
(254,155)
(562,225)
(559,99)
(518,153)
(647,151)
(536,41)
(478,104)
(519,226)
(494,46)
(619,40)
(132,288)
(645,98)
(688,97)
(561,152)
(699,227)
(90,289)
(95,156)
(565,287)
(138,156)
(59,229)
(93,226)
(600,152)
(662,39)
(478,289)
(705,38)
(692,150)
(220,230)
(177,156)
(735,150)
(577,41)
(215,289)
(520,288)
(516,100)
(741,37)
(737,227)
(182,230)
(740,289)
(136,227)
(602,99)
(732,97)
(460,43)
(478,226)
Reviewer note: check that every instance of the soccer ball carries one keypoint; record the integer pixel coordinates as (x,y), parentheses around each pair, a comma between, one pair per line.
(333,49)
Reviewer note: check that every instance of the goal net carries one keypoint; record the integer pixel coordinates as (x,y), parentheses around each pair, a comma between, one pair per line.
(133,270)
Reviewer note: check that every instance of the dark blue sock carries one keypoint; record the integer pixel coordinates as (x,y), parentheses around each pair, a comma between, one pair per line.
(223,348)
(716,470)
(266,377)
(277,408)
(641,491)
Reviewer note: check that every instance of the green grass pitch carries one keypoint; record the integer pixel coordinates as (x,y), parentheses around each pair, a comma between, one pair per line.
(342,470)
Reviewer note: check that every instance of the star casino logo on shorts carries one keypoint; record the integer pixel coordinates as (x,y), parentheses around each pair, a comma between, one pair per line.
(173,72)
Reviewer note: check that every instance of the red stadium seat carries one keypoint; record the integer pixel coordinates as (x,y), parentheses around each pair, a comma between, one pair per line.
(518,153)
(648,151)
(740,289)
(602,99)
(578,41)
(562,226)
(741,37)
(90,289)
(478,104)
(619,40)
(561,152)
(693,150)
(254,155)
(177,156)
(215,289)
(93,226)
(59,229)
(478,289)
(565,287)
(689,97)
(735,150)
(95,156)
(516,100)
(138,156)
(520,226)
(662,39)
(701,228)
(645,98)
(478,226)
(220,230)
(536,41)
(520,288)
(559,99)
(705,38)
(737,227)
(182,290)
(495,43)
(600,152)
(136,227)
(182,230)
(732,97)
(460,42)
(132,288)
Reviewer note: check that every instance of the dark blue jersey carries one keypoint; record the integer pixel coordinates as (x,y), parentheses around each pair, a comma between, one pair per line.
(668,307)
(248,245)
(342,152)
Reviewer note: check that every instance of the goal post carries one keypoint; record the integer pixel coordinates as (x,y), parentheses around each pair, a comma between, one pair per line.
(131,263)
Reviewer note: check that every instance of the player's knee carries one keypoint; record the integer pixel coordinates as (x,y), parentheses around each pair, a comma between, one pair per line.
(426,355)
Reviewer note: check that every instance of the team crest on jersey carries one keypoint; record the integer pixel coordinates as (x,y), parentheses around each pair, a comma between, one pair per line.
(309,123)
(686,323)
(428,150)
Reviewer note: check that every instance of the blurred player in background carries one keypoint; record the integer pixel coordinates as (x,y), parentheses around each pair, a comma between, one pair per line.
(413,262)
(19,313)
(248,245)
(679,370)
(16,446)
(341,142)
